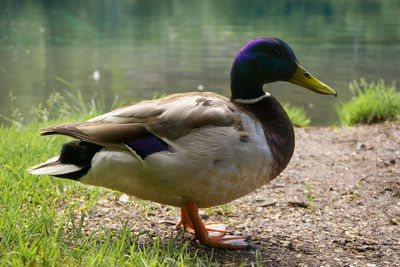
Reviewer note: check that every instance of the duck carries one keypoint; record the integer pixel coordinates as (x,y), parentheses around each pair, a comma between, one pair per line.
(196,149)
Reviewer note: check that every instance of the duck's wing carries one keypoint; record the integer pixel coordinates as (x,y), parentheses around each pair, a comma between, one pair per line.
(167,118)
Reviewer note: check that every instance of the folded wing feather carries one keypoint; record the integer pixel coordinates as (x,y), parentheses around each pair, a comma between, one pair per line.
(168,118)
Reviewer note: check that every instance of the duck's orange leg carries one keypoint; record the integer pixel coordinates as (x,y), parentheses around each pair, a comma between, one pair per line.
(201,232)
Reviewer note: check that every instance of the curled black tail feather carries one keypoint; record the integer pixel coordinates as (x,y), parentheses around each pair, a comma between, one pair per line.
(79,153)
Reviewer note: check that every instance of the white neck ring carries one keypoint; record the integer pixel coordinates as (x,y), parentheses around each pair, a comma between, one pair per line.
(252,100)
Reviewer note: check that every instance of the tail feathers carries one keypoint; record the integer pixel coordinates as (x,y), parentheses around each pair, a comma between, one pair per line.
(54,167)
(73,163)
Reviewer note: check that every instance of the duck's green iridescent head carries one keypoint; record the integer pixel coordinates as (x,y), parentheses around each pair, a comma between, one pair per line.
(266,60)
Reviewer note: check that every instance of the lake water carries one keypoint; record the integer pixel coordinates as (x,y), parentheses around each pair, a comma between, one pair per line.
(134,48)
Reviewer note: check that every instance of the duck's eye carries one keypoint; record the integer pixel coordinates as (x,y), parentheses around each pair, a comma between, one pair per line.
(276,52)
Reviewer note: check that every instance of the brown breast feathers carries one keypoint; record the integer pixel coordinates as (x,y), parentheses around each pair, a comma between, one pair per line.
(278,129)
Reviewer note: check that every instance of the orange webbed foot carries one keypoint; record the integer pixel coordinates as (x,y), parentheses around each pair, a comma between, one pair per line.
(216,229)
(211,234)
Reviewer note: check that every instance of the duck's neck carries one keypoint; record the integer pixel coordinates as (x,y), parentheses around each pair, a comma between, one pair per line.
(278,129)
(246,83)
(245,89)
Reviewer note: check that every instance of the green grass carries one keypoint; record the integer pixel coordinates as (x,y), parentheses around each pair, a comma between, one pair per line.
(298,116)
(371,102)
(308,194)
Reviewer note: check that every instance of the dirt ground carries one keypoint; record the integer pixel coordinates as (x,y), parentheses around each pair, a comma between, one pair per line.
(353,175)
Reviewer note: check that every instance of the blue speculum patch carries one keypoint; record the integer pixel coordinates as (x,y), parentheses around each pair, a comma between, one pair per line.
(148,145)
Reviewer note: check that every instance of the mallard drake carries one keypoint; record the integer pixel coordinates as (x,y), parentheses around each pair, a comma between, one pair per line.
(192,150)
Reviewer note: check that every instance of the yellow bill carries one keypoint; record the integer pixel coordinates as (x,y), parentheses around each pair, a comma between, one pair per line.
(303,78)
